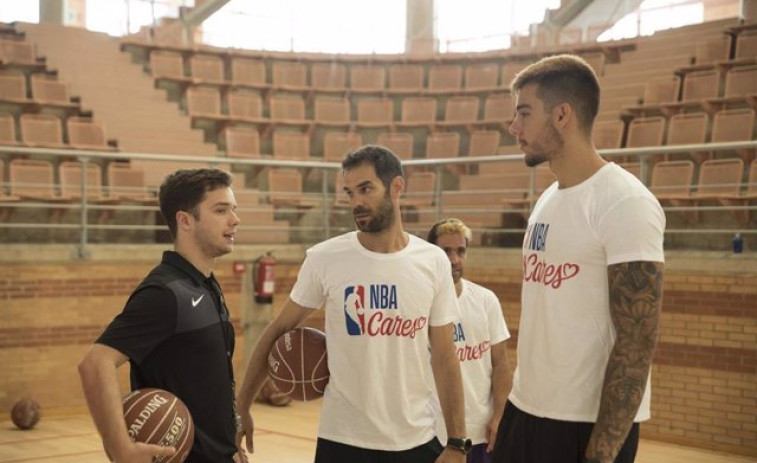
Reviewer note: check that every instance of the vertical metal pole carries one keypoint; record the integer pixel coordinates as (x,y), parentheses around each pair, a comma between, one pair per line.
(326,205)
(83,238)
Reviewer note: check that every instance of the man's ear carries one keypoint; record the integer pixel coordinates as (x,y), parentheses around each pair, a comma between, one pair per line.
(398,186)
(562,114)
(184,220)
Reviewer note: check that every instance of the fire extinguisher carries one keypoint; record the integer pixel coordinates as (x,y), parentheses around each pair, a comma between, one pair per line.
(264,280)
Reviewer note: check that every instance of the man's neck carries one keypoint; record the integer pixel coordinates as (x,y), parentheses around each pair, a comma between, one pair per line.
(195,257)
(459,287)
(576,163)
(393,239)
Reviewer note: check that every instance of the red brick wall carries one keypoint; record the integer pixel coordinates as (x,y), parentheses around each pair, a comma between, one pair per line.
(704,380)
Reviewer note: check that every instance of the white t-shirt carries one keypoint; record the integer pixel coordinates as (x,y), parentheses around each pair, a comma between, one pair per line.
(378,311)
(566,333)
(481,326)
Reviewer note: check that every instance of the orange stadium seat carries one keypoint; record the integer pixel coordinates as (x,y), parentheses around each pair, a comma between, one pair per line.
(713,50)
(608,134)
(337,144)
(672,180)
(32,179)
(400,144)
(510,69)
(13,87)
(285,189)
(246,107)
(460,111)
(127,183)
(405,78)
(84,133)
(445,78)
(481,77)
(242,142)
(368,79)
(287,109)
(246,72)
(420,189)
(43,130)
(291,145)
(746,45)
(418,112)
(657,92)
(697,87)
(442,145)
(289,76)
(688,129)
(206,69)
(17,52)
(332,111)
(204,102)
(375,112)
(167,65)
(7,129)
(47,90)
(70,174)
(328,77)
(498,109)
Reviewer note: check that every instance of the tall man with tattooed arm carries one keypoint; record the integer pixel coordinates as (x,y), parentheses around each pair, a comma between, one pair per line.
(592,284)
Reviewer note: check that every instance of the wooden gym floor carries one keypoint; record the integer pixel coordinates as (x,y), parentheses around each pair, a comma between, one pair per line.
(283,435)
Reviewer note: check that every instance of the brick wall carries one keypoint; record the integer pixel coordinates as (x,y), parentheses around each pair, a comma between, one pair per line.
(704,380)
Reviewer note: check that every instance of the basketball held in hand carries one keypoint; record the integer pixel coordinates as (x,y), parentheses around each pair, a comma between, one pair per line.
(155,416)
(298,365)
(25,414)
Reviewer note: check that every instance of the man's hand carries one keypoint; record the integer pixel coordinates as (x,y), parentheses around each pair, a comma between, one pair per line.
(449,455)
(491,430)
(138,452)
(248,426)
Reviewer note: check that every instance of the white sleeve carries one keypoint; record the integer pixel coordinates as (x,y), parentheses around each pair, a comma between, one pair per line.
(308,289)
(444,308)
(498,331)
(633,230)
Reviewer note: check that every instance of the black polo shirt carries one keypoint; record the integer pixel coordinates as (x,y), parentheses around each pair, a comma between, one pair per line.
(175,329)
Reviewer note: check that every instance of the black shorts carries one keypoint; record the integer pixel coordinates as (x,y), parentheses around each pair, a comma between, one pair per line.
(524,438)
(327,451)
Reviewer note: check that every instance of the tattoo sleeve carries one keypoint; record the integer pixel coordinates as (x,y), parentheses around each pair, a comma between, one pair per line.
(635,301)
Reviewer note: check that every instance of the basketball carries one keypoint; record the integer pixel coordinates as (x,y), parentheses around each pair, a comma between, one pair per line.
(155,416)
(25,414)
(297,364)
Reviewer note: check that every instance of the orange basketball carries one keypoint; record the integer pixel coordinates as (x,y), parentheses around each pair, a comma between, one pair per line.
(155,416)
(297,364)
(25,413)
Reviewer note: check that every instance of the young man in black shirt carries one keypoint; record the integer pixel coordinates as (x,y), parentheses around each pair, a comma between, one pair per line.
(175,329)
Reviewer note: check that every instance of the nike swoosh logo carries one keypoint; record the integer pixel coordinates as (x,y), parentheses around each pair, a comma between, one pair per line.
(195,302)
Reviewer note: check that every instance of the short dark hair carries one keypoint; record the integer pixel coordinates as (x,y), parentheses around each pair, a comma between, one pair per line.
(449,225)
(564,79)
(387,164)
(184,189)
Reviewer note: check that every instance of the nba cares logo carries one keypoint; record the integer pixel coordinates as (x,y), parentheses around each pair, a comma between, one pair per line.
(354,309)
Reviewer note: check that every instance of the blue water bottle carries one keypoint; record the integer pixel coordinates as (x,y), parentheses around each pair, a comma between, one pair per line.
(738,243)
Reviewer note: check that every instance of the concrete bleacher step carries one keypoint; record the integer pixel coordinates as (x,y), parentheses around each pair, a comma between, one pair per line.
(121,96)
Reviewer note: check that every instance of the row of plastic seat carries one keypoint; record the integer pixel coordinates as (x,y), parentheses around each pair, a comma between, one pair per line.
(725,50)
(46,90)
(17,52)
(333,77)
(699,90)
(287,109)
(690,128)
(46,131)
(243,142)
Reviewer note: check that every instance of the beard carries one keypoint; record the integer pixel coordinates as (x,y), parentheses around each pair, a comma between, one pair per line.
(380,220)
(544,149)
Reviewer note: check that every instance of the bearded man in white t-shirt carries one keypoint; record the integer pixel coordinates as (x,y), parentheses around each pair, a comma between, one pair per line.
(592,284)
(480,339)
(387,297)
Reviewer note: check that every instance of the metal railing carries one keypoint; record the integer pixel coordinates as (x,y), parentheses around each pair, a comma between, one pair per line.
(332,218)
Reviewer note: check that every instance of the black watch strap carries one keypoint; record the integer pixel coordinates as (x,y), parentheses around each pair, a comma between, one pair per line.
(461,444)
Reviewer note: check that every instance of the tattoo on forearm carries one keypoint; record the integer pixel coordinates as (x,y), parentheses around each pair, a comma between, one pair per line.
(635,300)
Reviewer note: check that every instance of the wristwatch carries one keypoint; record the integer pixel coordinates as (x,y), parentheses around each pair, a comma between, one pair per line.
(461,444)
